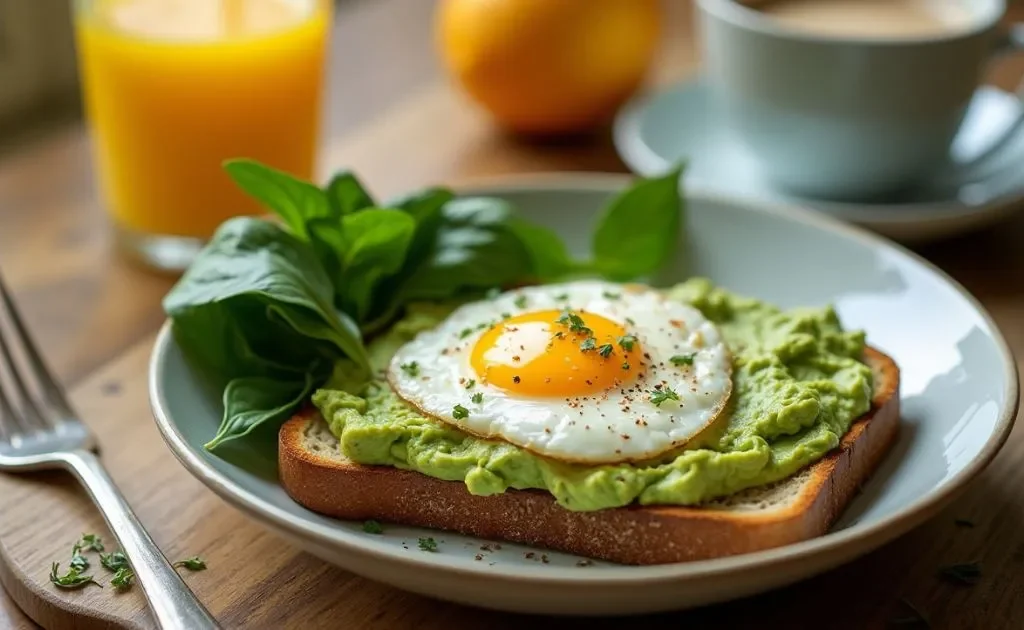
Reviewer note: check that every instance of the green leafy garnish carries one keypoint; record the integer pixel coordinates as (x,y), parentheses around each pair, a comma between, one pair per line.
(640,229)
(195,563)
(412,368)
(470,383)
(465,332)
(268,309)
(459,412)
(372,527)
(625,365)
(588,344)
(561,297)
(574,322)
(659,396)
(683,359)
(71,580)
(521,301)
(114,561)
(88,542)
(965,573)
(611,296)
(79,563)
(626,342)
(477,398)
(605,350)
(123,579)
(428,544)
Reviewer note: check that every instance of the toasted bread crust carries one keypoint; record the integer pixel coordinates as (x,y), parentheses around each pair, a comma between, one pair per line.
(629,535)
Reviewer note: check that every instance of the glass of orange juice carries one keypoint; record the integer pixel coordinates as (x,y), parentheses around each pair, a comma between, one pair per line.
(174,87)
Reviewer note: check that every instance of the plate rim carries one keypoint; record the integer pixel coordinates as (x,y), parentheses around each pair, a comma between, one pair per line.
(638,155)
(883,530)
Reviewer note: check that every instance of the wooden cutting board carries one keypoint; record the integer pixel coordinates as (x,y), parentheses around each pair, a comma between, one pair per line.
(256,580)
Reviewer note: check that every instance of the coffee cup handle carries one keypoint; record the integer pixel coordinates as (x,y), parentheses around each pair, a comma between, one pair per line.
(1011,41)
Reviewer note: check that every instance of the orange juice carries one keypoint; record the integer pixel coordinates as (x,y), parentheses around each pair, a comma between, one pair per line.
(174,87)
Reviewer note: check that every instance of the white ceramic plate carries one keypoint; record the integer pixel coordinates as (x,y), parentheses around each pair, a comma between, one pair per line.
(959,396)
(682,123)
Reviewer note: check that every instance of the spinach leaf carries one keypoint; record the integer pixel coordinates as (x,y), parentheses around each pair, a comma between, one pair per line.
(254,410)
(550,258)
(639,229)
(264,289)
(377,243)
(466,245)
(294,200)
(346,194)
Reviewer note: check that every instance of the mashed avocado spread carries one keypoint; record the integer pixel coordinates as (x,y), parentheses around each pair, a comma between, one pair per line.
(798,384)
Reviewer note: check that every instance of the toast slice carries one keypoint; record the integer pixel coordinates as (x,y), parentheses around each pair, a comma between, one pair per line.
(317,475)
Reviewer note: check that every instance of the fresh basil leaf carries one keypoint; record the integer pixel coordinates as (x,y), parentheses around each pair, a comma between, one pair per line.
(378,240)
(254,409)
(346,194)
(469,245)
(259,293)
(639,230)
(424,203)
(294,200)
(550,258)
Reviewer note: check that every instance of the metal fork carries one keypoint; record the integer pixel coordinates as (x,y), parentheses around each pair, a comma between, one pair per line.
(38,430)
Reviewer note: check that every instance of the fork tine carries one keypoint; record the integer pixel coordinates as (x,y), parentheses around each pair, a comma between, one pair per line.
(53,395)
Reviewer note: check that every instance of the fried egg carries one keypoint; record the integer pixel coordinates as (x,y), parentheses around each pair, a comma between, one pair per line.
(589,372)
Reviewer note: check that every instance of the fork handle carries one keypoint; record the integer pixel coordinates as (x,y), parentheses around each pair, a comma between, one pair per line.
(173,604)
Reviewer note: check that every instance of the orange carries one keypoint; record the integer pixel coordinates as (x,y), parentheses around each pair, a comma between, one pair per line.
(548,66)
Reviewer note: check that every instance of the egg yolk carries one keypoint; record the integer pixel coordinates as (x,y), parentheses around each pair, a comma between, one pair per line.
(556,353)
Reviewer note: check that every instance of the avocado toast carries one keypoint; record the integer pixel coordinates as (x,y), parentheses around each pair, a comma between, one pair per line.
(445,340)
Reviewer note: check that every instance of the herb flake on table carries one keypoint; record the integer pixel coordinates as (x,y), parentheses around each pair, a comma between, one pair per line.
(123,579)
(71,580)
(114,560)
(195,563)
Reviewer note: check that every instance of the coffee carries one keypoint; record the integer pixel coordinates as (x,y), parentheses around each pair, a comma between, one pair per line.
(868,18)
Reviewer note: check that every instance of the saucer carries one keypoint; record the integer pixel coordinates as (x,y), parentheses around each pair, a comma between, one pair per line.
(681,123)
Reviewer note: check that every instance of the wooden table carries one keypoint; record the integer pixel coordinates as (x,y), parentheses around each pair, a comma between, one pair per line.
(394,119)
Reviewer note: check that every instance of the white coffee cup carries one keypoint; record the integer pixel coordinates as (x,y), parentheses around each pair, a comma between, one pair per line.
(850,117)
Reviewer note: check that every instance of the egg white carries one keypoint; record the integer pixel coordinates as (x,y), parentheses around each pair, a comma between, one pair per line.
(615,425)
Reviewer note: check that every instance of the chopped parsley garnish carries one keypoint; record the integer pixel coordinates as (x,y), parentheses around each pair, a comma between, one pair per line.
(659,396)
(71,580)
(559,334)
(506,315)
(478,398)
(683,359)
(412,368)
(89,542)
(561,297)
(574,322)
(611,296)
(605,350)
(521,301)
(114,560)
(588,344)
(630,321)
(195,563)
(626,342)
(79,562)
(965,573)
(372,527)
(625,365)
(459,412)
(427,544)
(123,579)
(470,384)
(465,333)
